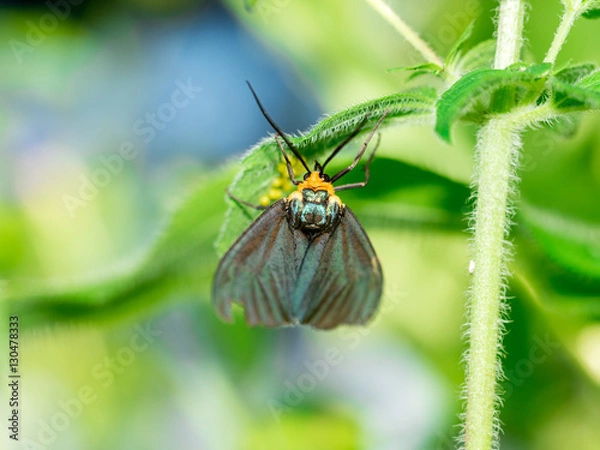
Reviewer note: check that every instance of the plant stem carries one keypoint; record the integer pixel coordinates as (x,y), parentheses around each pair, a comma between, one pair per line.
(566,23)
(510,33)
(497,153)
(497,156)
(407,32)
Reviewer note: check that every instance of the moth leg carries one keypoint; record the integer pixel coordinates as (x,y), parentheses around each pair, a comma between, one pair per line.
(362,184)
(244,202)
(361,152)
(351,136)
(290,168)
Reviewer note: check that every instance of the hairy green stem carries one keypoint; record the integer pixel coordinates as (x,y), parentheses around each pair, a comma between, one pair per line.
(407,32)
(510,33)
(568,19)
(497,156)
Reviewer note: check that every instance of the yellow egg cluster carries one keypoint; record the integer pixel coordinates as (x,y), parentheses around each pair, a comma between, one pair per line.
(280,186)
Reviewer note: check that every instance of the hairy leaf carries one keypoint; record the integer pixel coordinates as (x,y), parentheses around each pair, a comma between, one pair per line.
(572,73)
(474,93)
(259,166)
(568,97)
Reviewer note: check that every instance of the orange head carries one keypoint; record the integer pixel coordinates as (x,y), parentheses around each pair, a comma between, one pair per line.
(316,181)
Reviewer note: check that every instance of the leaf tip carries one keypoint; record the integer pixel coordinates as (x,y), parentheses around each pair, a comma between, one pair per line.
(443,131)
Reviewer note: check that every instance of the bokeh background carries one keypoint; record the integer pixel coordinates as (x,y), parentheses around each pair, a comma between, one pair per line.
(121,124)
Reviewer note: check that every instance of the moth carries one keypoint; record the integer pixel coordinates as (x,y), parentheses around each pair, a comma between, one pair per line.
(306,259)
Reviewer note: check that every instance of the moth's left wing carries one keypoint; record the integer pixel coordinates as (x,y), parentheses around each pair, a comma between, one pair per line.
(340,279)
(259,270)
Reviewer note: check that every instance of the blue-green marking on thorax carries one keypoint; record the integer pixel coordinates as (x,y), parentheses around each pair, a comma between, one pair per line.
(316,212)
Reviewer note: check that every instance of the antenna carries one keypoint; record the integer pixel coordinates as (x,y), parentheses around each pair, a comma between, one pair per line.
(277,129)
(345,141)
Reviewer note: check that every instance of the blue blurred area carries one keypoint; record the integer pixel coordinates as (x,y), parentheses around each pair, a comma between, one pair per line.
(124,64)
(216,54)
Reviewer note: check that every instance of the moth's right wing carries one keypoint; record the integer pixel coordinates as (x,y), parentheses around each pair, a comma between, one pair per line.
(259,271)
(340,280)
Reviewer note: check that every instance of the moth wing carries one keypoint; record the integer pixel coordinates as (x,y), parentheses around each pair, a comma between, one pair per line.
(260,269)
(340,280)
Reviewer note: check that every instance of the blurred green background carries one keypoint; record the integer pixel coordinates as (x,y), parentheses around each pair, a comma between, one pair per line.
(122,122)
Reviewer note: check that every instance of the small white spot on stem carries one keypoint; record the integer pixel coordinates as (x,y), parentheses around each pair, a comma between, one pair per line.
(471,266)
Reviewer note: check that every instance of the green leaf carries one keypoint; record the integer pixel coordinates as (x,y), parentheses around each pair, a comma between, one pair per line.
(260,166)
(568,98)
(479,57)
(474,93)
(455,52)
(590,9)
(460,62)
(421,69)
(401,196)
(592,13)
(574,88)
(182,260)
(587,8)
(592,81)
(426,67)
(573,73)
(570,242)
(537,70)
(555,265)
